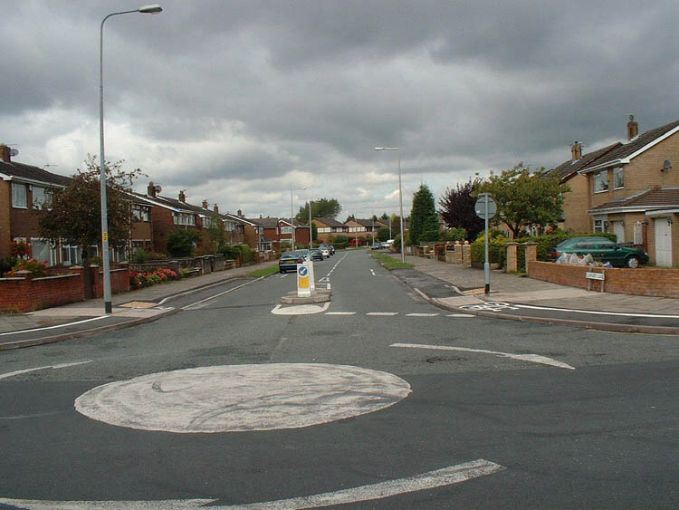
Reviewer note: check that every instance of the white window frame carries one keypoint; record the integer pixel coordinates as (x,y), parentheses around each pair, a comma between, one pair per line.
(141,213)
(618,174)
(19,195)
(601,181)
(600,224)
(184,219)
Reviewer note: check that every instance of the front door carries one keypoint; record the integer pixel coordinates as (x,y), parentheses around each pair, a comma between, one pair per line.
(663,242)
(619,230)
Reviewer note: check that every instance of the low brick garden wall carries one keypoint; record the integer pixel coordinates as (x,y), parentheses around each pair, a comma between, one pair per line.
(649,281)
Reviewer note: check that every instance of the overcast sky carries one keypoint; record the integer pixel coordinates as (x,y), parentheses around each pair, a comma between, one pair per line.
(237,102)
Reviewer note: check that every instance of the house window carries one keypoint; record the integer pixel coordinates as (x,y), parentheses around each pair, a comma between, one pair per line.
(43,251)
(601,181)
(184,219)
(70,254)
(600,225)
(141,213)
(41,197)
(207,222)
(618,178)
(19,195)
(286,230)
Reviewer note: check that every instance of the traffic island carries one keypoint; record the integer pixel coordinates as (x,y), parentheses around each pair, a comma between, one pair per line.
(317,296)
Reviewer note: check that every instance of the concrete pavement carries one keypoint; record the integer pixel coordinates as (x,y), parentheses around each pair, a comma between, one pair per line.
(512,297)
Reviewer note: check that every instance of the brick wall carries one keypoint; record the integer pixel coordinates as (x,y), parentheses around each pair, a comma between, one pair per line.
(639,282)
(28,294)
(120,281)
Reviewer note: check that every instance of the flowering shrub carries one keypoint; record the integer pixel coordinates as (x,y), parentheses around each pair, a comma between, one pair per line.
(36,267)
(146,279)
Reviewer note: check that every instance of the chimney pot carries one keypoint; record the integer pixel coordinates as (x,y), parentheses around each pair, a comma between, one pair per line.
(205,204)
(151,190)
(216,209)
(182,196)
(632,128)
(576,151)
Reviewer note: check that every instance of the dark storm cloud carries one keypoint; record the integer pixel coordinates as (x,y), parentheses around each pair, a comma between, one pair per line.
(211,90)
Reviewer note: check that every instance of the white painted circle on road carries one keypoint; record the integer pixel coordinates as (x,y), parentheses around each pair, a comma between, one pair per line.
(242,397)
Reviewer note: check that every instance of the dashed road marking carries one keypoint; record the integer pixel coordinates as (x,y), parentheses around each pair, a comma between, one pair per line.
(422,315)
(381,314)
(340,313)
(461,315)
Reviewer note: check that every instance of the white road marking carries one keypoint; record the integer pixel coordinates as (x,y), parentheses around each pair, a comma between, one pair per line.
(60,365)
(491,306)
(236,398)
(425,481)
(372,271)
(531,358)
(593,312)
(422,315)
(300,309)
(55,327)
(381,314)
(196,305)
(340,313)
(422,294)
(460,315)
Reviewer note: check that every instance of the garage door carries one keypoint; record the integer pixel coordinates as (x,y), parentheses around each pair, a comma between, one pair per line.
(663,242)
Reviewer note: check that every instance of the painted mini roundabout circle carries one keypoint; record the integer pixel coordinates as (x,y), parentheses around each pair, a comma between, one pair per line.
(236,398)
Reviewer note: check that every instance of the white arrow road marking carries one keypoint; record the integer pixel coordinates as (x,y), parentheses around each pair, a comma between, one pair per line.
(61,365)
(531,358)
(431,480)
(300,309)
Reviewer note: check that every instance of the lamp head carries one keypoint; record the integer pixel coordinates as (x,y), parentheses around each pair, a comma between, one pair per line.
(150,9)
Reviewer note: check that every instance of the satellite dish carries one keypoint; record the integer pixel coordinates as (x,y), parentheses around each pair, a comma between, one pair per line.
(13,152)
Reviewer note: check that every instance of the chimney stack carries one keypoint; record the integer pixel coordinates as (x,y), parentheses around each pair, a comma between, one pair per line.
(576,151)
(151,190)
(205,204)
(182,196)
(5,153)
(240,213)
(632,128)
(216,209)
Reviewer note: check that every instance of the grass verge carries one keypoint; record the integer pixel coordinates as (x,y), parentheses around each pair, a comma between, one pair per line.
(389,262)
(265,271)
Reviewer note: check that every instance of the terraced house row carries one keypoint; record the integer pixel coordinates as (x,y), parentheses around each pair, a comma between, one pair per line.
(25,189)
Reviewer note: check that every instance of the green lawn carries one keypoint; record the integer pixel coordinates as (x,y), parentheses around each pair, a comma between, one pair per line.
(390,262)
(265,271)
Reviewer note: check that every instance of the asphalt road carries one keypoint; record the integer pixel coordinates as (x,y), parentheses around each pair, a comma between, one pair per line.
(322,409)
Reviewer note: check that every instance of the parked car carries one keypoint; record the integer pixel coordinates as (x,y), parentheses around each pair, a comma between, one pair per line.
(376,246)
(289,261)
(325,250)
(602,249)
(331,247)
(316,254)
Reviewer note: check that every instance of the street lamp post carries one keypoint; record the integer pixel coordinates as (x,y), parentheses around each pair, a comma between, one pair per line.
(311,230)
(400,196)
(147,9)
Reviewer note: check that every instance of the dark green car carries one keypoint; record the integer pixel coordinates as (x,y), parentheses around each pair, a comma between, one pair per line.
(602,249)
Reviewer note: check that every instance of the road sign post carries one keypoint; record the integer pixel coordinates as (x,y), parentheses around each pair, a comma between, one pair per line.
(486,208)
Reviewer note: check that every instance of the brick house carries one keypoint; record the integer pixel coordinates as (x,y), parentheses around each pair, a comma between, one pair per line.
(634,191)
(575,217)
(24,189)
(279,233)
(327,227)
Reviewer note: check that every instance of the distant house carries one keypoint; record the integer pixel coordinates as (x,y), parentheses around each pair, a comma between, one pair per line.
(634,191)
(327,227)
(24,190)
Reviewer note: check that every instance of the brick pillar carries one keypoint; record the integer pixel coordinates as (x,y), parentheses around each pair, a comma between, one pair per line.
(531,252)
(512,263)
(467,254)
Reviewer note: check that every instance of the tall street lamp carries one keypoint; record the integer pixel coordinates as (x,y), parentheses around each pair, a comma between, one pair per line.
(400,196)
(147,9)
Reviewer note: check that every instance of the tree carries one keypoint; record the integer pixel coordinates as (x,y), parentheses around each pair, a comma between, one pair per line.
(384,216)
(181,242)
(457,208)
(383,234)
(323,208)
(74,214)
(524,198)
(424,221)
(351,217)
